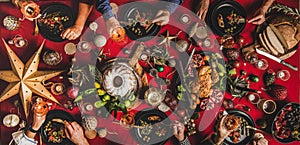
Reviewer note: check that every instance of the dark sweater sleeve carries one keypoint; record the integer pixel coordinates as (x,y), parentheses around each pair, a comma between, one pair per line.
(172,5)
(103,6)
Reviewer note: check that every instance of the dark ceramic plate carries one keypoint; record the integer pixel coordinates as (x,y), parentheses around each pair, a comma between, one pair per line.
(247,134)
(230,12)
(54,20)
(296,108)
(135,18)
(55,114)
(151,117)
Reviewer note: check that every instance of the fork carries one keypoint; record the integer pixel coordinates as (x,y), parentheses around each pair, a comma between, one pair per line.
(256,129)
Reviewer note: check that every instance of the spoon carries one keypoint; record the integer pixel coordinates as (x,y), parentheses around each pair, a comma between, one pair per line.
(36,28)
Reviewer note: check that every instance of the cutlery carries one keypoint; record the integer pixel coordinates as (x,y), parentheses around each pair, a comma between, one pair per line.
(256,129)
(276,59)
(36,28)
(190,58)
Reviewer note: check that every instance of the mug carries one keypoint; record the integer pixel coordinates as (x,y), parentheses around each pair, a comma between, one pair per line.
(267,106)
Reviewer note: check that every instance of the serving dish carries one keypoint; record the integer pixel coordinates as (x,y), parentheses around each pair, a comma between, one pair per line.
(286,125)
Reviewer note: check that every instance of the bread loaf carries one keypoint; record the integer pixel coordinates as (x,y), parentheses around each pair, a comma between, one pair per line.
(288,31)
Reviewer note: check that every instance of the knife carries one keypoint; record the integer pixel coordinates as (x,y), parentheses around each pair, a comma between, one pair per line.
(190,58)
(276,59)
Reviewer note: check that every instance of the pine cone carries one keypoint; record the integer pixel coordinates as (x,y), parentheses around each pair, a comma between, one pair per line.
(277,91)
(269,78)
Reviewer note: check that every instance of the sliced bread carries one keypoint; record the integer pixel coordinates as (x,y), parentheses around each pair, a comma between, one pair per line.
(268,44)
(279,36)
(271,36)
(262,42)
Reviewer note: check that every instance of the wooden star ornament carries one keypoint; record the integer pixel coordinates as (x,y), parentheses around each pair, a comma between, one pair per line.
(26,79)
(167,39)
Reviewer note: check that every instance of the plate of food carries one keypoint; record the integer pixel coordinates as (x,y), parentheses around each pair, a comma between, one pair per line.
(242,134)
(206,79)
(227,17)
(52,130)
(153,127)
(286,125)
(54,20)
(137,18)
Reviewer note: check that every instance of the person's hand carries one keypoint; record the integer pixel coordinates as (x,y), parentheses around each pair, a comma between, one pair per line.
(259,16)
(72,33)
(261,141)
(202,11)
(74,133)
(162,17)
(111,24)
(178,130)
(222,131)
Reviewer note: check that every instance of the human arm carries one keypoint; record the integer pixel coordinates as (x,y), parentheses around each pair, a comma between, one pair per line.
(74,32)
(103,6)
(74,133)
(202,11)
(163,15)
(220,135)
(26,137)
(259,15)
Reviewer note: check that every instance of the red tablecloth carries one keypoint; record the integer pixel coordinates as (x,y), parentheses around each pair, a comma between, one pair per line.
(26,30)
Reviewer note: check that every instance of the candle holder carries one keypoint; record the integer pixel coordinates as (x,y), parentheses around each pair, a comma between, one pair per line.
(18,41)
(84,46)
(267,106)
(118,34)
(261,64)
(11,23)
(29,9)
(254,98)
(283,75)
